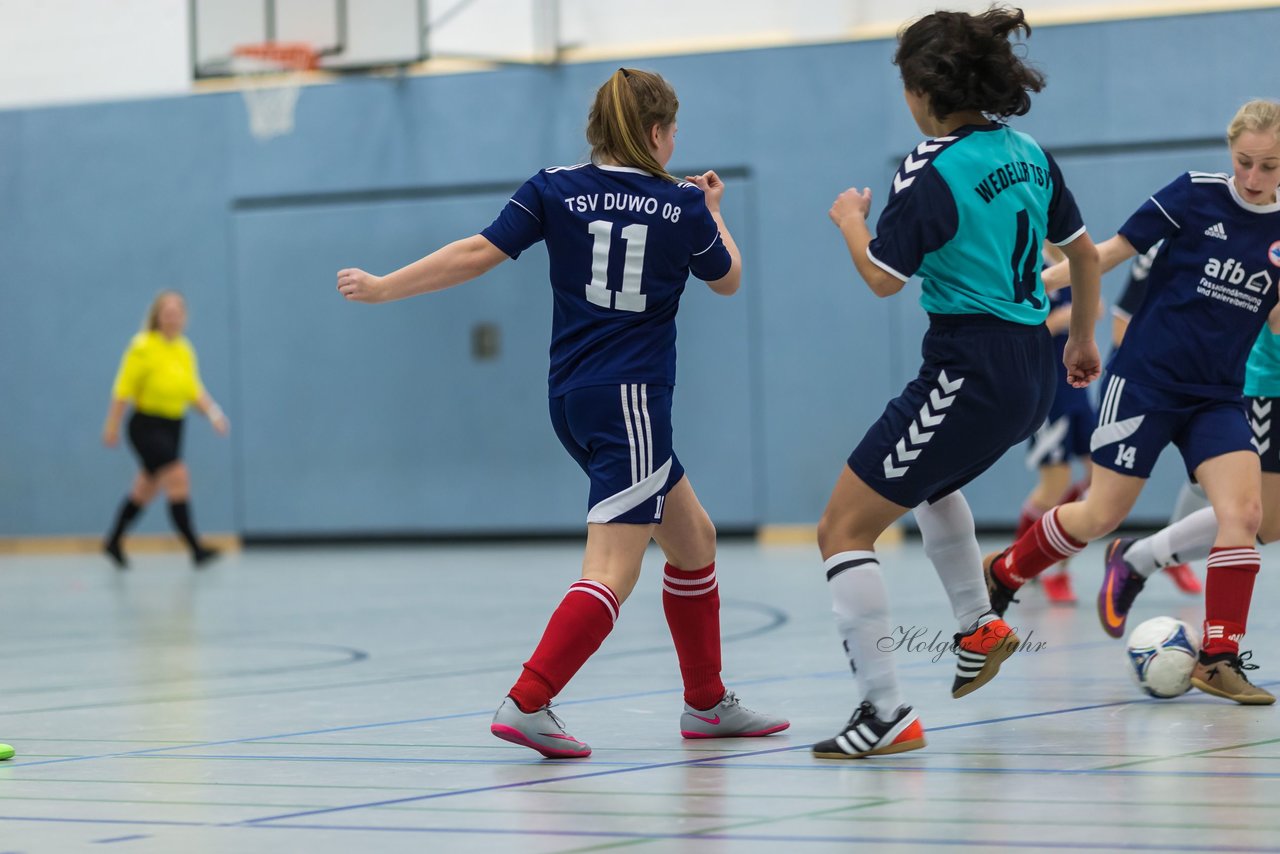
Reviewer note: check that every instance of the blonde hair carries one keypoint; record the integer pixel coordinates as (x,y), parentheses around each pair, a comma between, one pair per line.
(152,321)
(1259,116)
(628,104)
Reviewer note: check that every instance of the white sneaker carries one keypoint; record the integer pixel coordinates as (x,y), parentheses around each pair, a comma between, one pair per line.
(540,730)
(728,719)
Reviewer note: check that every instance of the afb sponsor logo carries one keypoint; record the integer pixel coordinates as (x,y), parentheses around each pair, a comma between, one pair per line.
(1273,254)
(1233,272)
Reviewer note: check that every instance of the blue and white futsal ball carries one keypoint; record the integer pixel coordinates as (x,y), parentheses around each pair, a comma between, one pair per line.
(1163,653)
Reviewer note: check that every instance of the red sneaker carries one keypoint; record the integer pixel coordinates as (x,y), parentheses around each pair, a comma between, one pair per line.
(1057,588)
(1185,578)
(979,655)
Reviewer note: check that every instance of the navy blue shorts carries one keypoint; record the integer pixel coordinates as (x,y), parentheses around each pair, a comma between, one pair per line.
(620,435)
(1136,422)
(986,384)
(1262,416)
(1064,436)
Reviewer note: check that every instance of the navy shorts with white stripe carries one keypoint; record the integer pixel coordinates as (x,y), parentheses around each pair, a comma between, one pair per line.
(1136,422)
(620,435)
(986,384)
(1064,436)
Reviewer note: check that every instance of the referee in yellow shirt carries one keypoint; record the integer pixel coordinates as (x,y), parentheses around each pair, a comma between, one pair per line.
(158,375)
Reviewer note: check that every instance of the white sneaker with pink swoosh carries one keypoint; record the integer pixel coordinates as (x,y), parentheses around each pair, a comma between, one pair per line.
(728,719)
(540,730)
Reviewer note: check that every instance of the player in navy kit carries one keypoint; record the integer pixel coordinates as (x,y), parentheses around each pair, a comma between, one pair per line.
(967,214)
(1178,378)
(622,236)
(1191,497)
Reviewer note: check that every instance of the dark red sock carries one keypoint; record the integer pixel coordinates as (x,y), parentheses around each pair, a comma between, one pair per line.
(577,628)
(1027,517)
(691,601)
(1228,589)
(1035,551)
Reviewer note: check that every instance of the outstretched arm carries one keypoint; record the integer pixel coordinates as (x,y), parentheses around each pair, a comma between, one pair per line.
(458,262)
(1111,253)
(1081,358)
(849,213)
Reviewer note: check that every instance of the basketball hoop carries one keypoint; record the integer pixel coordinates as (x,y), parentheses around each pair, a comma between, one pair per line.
(270,75)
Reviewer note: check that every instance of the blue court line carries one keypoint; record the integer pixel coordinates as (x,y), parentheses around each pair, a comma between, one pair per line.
(123,838)
(1100,772)
(723,762)
(408,760)
(65,820)
(1026,845)
(352,727)
(726,837)
(777,618)
(676,764)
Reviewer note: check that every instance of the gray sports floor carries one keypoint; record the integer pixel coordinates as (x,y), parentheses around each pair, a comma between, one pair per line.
(338,699)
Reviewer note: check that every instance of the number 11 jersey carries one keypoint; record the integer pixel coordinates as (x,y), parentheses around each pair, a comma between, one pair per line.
(621,244)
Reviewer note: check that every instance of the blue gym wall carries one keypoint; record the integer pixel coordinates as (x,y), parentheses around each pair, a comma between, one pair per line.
(352,419)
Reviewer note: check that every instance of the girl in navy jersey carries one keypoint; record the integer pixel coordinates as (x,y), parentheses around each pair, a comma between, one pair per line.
(1191,497)
(623,236)
(967,214)
(1178,378)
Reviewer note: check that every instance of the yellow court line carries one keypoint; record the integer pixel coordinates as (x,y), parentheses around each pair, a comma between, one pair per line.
(136,544)
(807,535)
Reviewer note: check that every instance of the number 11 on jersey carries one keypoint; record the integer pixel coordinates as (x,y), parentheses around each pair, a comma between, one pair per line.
(628,297)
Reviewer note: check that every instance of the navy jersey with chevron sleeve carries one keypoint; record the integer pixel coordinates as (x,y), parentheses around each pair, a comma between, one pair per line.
(622,244)
(967,214)
(1210,288)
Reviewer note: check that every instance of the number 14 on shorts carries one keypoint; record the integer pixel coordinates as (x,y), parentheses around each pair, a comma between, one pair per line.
(1126,455)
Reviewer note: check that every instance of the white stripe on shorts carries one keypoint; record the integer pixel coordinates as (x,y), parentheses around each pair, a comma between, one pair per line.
(631,497)
(631,435)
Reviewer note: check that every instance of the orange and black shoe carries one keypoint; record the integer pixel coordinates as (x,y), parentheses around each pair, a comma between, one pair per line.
(867,734)
(1000,594)
(1121,584)
(980,653)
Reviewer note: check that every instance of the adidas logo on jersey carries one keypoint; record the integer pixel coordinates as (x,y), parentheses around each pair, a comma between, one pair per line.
(1217,230)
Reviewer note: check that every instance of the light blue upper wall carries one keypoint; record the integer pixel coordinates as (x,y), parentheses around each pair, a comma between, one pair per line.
(382,409)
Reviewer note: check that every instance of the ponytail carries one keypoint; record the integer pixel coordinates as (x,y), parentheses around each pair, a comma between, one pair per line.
(626,107)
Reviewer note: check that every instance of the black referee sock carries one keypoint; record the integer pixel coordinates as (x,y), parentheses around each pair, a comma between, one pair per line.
(180,513)
(128,511)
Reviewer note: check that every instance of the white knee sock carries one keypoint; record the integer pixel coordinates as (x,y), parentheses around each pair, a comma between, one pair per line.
(1185,540)
(951,545)
(861,606)
(1191,498)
